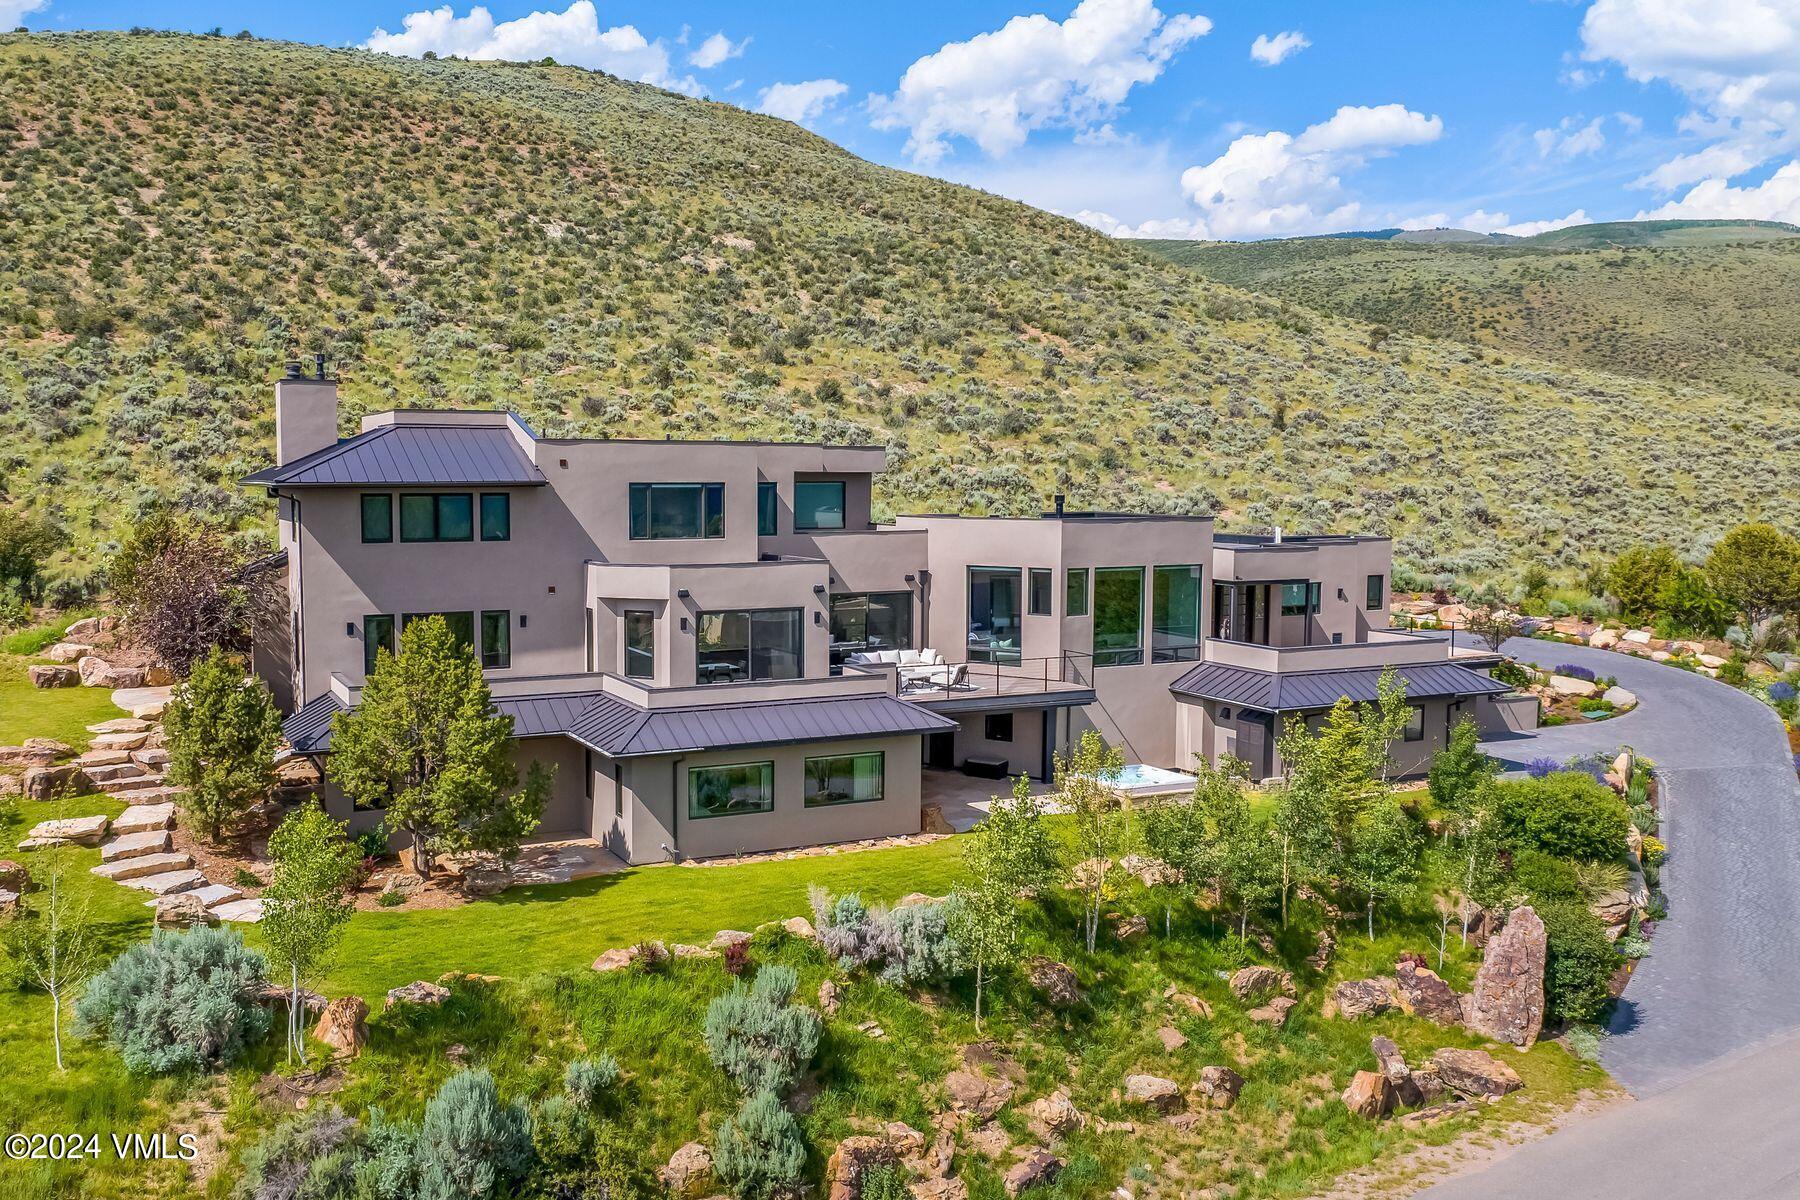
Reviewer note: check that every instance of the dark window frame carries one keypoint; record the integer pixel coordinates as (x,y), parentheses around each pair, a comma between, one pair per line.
(407,618)
(1179,651)
(638,513)
(1075,599)
(767,770)
(387,499)
(1119,656)
(798,617)
(1040,586)
(1415,723)
(481,516)
(806,778)
(997,727)
(437,516)
(988,652)
(768,510)
(502,658)
(1374,593)
(649,617)
(372,622)
(843,504)
(842,607)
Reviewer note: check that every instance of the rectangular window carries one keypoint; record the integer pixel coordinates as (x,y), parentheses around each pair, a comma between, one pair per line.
(1075,602)
(1376,593)
(731,791)
(768,509)
(864,623)
(844,779)
(640,645)
(994,612)
(1415,723)
(496,517)
(819,504)
(378,634)
(758,644)
(438,517)
(1313,591)
(998,727)
(1040,591)
(677,510)
(1175,614)
(587,639)
(377,517)
(587,778)
(1118,616)
(462,624)
(496,639)
(1293,599)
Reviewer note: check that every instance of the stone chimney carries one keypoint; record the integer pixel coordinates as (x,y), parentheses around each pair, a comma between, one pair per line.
(306,412)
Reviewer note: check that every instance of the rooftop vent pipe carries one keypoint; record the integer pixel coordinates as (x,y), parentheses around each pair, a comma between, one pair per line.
(1059,504)
(1278,535)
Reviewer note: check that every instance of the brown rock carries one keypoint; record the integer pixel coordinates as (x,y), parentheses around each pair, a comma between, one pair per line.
(689,1173)
(97,672)
(852,1158)
(479,882)
(1039,1168)
(13,876)
(726,938)
(1427,1081)
(1275,1012)
(182,910)
(27,756)
(43,676)
(1251,982)
(158,676)
(1054,980)
(1475,1072)
(989,1141)
(418,992)
(1187,1000)
(84,628)
(800,927)
(931,820)
(1172,1039)
(616,960)
(1363,997)
(1054,1117)
(1129,927)
(976,1097)
(1438,1112)
(1391,1063)
(46,783)
(1507,1003)
(344,1026)
(1164,1095)
(1423,994)
(1370,1095)
(1220,1086)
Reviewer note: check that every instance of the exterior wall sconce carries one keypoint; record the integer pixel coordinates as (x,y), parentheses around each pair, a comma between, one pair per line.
(682,594)
(818,617)
(522,620)
(684,625)
(910,578)
(349,629)
(818,589)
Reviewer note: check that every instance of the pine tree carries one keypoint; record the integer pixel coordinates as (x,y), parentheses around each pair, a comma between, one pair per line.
(222,729)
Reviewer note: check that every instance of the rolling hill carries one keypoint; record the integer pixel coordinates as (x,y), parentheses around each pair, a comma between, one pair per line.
(1694,303)
(179,214)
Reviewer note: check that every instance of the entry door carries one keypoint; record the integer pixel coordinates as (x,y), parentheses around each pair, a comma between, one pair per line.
(940,751)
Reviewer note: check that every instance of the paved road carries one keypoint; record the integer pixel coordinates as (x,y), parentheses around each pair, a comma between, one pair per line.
(1722,985)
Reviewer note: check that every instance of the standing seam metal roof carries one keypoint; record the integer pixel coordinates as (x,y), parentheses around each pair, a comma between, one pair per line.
(1293,691)
(436,455)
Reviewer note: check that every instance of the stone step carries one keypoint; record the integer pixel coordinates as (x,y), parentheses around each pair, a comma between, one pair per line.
(211,896)
(67,831)
(135,845)
(168,883)
(144,818)
(130,783)
(144,703)
(119,741)
(142,867)
(103,758)
(154,757)
(247,912)
(160,794)
(122,725)
(104,773)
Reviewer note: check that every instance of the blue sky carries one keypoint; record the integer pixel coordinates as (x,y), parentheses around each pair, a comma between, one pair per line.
(1157,117)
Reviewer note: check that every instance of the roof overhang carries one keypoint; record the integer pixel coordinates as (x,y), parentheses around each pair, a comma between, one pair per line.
(1311,691)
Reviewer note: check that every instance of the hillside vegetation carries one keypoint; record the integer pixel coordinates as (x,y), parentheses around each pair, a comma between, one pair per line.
(178,215)
(1681,305)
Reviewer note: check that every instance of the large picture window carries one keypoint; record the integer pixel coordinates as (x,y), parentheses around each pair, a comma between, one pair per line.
(844,779)
(731,791)
(437,517)
(1175,614)
(819,504)
(377,517)
(868,622)
(758,644)
(496,517)
(677,510)
(1118,616)
(640,645)
(994,607)
(462,624)
(378,634)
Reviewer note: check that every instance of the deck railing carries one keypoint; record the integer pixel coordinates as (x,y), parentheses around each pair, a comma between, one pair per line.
(1028,676)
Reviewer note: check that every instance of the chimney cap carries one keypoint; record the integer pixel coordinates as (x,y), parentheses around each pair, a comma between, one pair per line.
(295,370)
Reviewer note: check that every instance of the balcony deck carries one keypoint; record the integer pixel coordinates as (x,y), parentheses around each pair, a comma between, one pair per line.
(1056,682)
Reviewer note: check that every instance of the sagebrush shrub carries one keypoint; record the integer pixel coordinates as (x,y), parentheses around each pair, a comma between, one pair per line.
(920,945)
(757,1036)
(758,1152)
(470,1145)
(586,1080)
(302,1156)
(179,1001)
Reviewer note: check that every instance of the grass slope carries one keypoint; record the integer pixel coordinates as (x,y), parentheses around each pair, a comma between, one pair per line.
(178,215)
(1710,308)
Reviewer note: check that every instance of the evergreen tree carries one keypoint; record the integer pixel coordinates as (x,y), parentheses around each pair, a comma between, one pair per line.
(1459,769)
(222,729)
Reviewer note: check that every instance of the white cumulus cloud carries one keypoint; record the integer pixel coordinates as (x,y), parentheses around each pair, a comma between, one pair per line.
(1033,73)
(1527,228)
(717,49)
(13,11)
(572,37)
(800,102)
(1270,51)
(1777,198)
(1571,137)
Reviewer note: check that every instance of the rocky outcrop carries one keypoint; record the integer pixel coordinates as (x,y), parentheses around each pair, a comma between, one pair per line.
(1172,1039)
(689,1172)
(1129,927)
(1219,1086)
(852,1159)
(14,877)
(1370,1095)
(97,672)
(976,1097)
(1423,994)
(1275,1012)
(182,910)
(1163,1095)
(1039,1168)
(47,783)
(831,998)
(1475,1073)
(344,1026)
(44,676)
(1188,1001)
(1363,997)
(1251,982)
(1055,981)
(1507,1003)
(1054,1117)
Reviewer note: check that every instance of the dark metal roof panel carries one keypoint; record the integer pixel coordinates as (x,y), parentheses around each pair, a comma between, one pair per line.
(403,455)
(308,730)
(1296,691)
(670,731)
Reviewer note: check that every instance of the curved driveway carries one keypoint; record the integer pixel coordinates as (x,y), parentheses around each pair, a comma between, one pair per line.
(1722,983)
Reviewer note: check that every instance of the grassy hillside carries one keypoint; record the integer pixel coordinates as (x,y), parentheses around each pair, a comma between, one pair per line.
(180,214)
(1610,234)
(1723,315)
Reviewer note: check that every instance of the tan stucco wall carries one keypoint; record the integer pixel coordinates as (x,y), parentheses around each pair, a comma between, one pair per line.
(1025,753)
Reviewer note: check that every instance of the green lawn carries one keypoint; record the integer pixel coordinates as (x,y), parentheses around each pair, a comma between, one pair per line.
(60,713)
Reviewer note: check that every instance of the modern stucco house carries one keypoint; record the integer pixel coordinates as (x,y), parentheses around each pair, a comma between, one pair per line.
(719,651)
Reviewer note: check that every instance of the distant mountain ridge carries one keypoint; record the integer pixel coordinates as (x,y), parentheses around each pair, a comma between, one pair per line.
(1593,236)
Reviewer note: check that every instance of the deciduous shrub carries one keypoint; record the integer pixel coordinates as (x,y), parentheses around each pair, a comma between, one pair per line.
(758,1152)
(1544,879)
(1564,814)
(177,1002)
(1580,964)
(470,1145)
(757,1036)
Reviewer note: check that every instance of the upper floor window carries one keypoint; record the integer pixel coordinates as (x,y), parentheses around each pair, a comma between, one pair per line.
(819,504)
(437,517)
(496,639)
(378,634)
(462,624)
(496,517)
(768,507)
(1038,595)
(1377,591)
(755,644)
(1118,616)
(1294,599)
(1175,614)
(1075,602)
(377,517)
(640,644)
(677,510)
(994,614)
(873,621)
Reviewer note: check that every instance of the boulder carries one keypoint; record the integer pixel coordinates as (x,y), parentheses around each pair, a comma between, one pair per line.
(1251,982)
(46,783)
(1187,1000)
(1370,1095)
(1479,923)
(1219,1086)
(1039,1168)
(68,831)
(1475,1073)
(13,876)
(1619,697)
(1568,685)
(917,900)
(402,883)
(344,1026)
(689,1173)
(1424,994)
(121,725)
(1054,1117)
(1391,1063)
(1428,1082)
(801,928)
(1604,639)
(1363,997)
(1275,1012)
(932,820)
(479,882)
(87,627)
(97,672)
(831,998)
(1129,927)
(1507,1003)
(1172,1039)
(616,959)
(44,676)
(1710,661)
(852,1158)
(726,938)
(9,902)
(1163,1095)
(64,652)
(26,756)
(11,785)
(1637,637)
(418,992)
(182,910)
(158,676)
(976,1097)
(1613,908)
(1055,981)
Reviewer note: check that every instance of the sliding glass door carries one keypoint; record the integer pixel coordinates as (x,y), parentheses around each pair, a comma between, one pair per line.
(755,644)
(994,629)
(869,622)
(1118,616)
